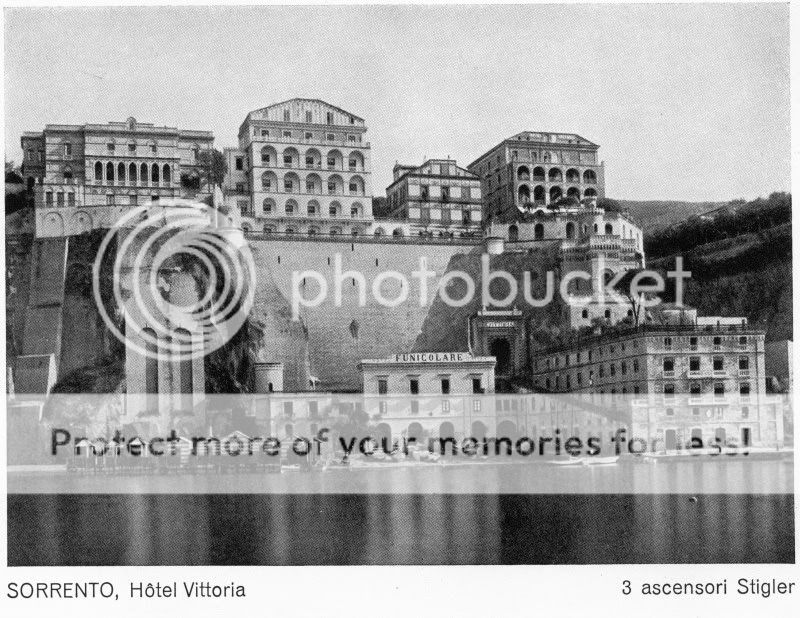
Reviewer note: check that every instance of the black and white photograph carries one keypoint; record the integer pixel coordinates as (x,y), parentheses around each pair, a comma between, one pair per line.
(498,286)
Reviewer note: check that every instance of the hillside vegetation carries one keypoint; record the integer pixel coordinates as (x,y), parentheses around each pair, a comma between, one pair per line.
(740,257)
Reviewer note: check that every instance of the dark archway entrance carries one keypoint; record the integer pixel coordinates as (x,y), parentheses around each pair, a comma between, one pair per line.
(383,436)
(501,350)
(478,431)
(414,432)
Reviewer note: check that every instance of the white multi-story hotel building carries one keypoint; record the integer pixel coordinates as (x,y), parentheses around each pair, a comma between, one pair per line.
(302,167)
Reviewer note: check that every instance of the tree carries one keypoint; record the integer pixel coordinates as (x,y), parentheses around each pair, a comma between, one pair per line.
(213,166)
(624,287)
(609,205)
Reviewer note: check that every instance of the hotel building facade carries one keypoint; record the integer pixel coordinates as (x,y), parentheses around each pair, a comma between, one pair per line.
(85,177)
(698,377)
(534,169)
(437,198)
(302,167)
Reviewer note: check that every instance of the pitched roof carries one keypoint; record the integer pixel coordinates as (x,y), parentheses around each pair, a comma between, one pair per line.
(339,109)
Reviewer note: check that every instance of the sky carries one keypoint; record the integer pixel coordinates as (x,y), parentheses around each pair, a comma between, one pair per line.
(687,102)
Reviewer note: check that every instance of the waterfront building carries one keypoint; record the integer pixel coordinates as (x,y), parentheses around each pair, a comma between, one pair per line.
(703,377)
(437,198)
(302,166)
(86,176)
(536,169)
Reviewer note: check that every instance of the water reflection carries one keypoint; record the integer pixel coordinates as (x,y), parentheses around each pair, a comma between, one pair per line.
(397,529)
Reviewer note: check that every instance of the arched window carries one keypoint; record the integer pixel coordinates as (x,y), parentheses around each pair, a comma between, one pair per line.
(555,193)
(590,193)
(513,233)
(121,172)
(154,175)
(609,229)
(524,194)
(523,173)
(144,174)
(132,173)
(269,206)
(573,175)
(538,194)
(538,231)
(269,181)
(335,209)
(98,171)
(574,193)
(167,174)
(555,175)
(313,208)
(291,207)
(110,172)
(538,173)
(570,230)
(397,232)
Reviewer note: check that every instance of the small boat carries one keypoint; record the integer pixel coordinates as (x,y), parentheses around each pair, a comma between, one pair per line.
(572,461)
(601,461)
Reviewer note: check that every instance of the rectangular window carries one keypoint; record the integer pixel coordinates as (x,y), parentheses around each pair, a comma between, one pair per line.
(476,386)
(329,118)
(48,198)
(309,135)
(286,115)
(669,390)
(719,363)
(717,343)
(445,194)
(719,389)
(70,199)
(695,388)
(264,133)
(694,364)
(240,163)
(383,386)
(67,149)
(109,200)
(744,363)
(308,117)
(445,386)
(352,163)
(330,137)
(60,198)
(668,342)
(424,193)
(134,199)
(744,389)
(413,386)
(287,134)
(743,341)
(351,138)
(669,366)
